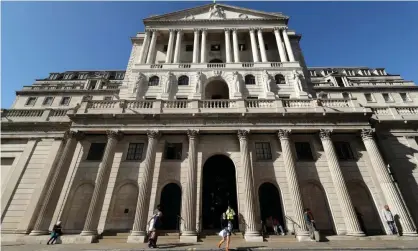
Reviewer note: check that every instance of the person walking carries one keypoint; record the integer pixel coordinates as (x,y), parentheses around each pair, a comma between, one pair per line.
(277,226)
(387,214)
(56,232)
(230,214)
(226,237)
(154,227)
(310,223)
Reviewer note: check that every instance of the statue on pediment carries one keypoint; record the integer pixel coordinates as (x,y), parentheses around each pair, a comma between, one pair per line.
(216,11)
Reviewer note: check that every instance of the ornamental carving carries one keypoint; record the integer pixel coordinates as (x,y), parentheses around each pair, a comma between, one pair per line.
(325,133)
(216,11)
(267,81)
(74,134)
(242,15)
(217,73)
(243,134)
(114,135)
(284,134)
(153,134)
(192,134)
(367,134)
(199,76)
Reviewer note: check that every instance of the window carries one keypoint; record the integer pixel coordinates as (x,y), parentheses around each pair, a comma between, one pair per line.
(181,98)
(165,48)
(65,101)
(346,95)
(96,151)
(369,97)
(280,79)
(263,151)
(215,47)
(189,47)
(387,97)
(107,98)
(249,80)
(173,151)
(135,151)
(405,97)
(154,81)
(339,81)
(7,161)
(343,150)
(183,80)
(92,84)
(150,98)
(284,96)
(303,151)
(252,97)
(48,101)
(82,76)
(31,101)
(68,76)
(242,47)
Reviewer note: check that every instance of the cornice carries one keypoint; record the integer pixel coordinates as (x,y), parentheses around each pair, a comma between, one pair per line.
(226,21)
(58,91)
(362,88)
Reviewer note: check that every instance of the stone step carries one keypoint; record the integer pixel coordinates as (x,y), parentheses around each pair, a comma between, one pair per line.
(280,238)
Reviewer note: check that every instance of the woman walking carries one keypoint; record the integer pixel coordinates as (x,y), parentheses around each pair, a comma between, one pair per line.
(56,232)
(154,226)
(226,236)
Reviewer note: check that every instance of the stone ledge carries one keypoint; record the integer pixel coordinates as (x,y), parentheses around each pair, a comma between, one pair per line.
(64,239)
(136,239)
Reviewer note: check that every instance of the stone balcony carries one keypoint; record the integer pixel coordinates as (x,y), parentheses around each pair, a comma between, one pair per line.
(35,115)
(403,113)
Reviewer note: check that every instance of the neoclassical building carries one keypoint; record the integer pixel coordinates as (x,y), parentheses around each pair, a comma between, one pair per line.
(216,107)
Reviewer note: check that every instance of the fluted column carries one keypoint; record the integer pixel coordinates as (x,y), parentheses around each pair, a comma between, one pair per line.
(177,51)
(141,212)
(196,46)
(227,45)
(58,174)
(90,225)
(189,195)
(151,52)
(261,44)
(235,45)
(254,45)
(169,57)
(393,198)
(347,208)
(280,46)
(203,45)
(249,201)
(292,181)
(144,48)
(288,45)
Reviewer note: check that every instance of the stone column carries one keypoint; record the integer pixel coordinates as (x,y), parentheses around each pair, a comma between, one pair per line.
(288,45)
(141,214)
(203,50)
(294,189)
(227,45)
(58,174)
(189,196)
(261,43)
(251,232)
(168,58)
(177,51)
(90,225)
(235,45)
(150,57)
(254,45)
(196,46)
(347,208)
(280,46)
(393,198)
(144,48)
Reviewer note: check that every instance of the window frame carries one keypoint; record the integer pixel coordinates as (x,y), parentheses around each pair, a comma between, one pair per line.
(177,157)
(138,151)
(45,104)
(154,81)
(30,99)
(304,157)
(407,96)
(62,99)
(341,152)
(373,100)
(280,77)
(89,153)
(183,77)
(249,79)
(390,98)
(263,153)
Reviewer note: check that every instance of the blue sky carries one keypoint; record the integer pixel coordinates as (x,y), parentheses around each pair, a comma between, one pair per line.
(42,37)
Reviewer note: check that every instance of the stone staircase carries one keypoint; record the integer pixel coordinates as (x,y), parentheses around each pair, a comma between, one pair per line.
(112,237)
(280,238)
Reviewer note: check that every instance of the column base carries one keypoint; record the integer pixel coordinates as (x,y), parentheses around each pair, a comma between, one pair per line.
(303,236)
(357,234)
(136,238)
(413,234)
(253,237)
(88,233)
(38,232)
(188,238)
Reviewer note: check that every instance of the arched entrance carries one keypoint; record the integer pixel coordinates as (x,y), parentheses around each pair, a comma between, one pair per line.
(170,203)
(219,191)
(122,214)
(78,208)
(313,197)
(215,60)
(270,204)
(217,89)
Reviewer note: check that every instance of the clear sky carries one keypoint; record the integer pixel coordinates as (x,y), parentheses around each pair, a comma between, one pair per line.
(42,37)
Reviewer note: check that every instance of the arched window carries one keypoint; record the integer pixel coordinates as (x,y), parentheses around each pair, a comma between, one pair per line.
(279,79)
(183,80)
(153,81)
(250,80)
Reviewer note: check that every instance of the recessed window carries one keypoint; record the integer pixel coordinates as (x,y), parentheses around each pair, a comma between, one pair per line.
(154,81)
(343,151)
(126,211)
(215,47)
(369,97)
(150,98)
(252,97)
(165,48)
(92,84)
(242,47)
(135,151)
(96,151)
(68,76)
(284,96)
(107,98)
(303,151)
(173,151)
(189,47)
(48,101)
(263,151)
(31,101)
(181,98)
(249,80)
(387,97)
(183,80)
(346,95)
(405,97)
(7,161)
(279,79)
(339,81)
(119,75)
(65,101)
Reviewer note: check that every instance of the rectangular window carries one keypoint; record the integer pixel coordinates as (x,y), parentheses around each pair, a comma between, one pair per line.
(263,151)
(165,48)
(387,97)
(92,84)
(31,101)
(252,97)
(405,97)
(215,47)
(369,97)
(7,161)
(303,151)
(173,151)
(150,98)
(284,96)
(181,98)
(48,101)
(189,47)
(339,81)
(65,101)
(135,151)
(96,151)
(343,151)
(242,47)
(107,98)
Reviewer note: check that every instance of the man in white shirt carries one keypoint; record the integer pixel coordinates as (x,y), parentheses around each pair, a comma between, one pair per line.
(387,215)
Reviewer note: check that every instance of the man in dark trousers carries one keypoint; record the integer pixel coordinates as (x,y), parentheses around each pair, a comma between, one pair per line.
(310,222)
(155,225)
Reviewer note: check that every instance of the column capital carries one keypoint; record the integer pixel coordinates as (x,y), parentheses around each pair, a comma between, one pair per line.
(233,29)
(74,134)
(114,135)
(192,134)
(243,134)
(179,30)
(196,30)
(151,30)
(367,133)
(284,28)
(284,134)
(325,133)
(153,134)
(252,29)
(171,30)
(259,29)
(227,29)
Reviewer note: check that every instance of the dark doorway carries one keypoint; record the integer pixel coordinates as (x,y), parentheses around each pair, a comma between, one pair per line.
(170,206)
(270,205)
(219,191)
(215,60)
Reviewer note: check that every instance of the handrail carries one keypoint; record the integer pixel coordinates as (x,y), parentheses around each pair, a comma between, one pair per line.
(293,224)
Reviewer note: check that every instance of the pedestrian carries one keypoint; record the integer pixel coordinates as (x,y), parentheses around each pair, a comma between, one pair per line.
(277,226)
(154,227)
(387,214)
(226,237)
(310,223)
(56,232)
(230,214)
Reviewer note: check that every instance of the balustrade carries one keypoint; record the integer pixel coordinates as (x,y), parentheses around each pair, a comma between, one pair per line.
(218,104)
(407,110)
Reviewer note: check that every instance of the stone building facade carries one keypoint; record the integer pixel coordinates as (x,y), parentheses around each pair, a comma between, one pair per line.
(216,107)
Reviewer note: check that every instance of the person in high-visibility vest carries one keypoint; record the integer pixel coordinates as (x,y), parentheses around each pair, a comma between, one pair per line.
(230,214)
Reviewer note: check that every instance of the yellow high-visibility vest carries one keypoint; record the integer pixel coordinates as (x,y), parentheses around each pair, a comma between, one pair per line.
(230,214)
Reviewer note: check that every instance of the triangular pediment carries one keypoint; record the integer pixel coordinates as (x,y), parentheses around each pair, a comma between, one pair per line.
(216,12)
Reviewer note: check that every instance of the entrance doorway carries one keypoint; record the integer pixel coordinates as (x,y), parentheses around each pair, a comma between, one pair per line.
(170,203)
(219,191)
(270,205)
